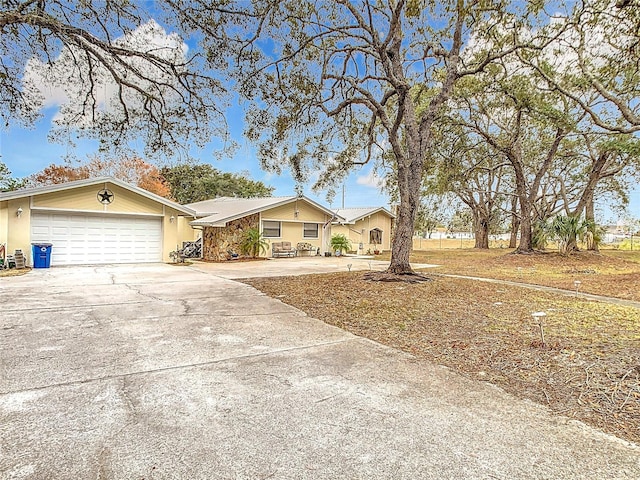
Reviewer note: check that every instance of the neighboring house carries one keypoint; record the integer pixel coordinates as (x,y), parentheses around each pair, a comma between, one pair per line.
(93,221)
(280,219)
(368,228)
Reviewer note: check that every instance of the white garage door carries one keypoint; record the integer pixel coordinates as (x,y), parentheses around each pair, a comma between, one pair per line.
(89,239)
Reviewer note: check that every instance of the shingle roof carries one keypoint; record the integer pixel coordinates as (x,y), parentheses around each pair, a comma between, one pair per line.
(352,215)
(218,211)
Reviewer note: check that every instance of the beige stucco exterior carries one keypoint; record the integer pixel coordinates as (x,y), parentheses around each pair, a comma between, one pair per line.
(186,232)
(292,218)
(84,199)
(15,231)
(358,233)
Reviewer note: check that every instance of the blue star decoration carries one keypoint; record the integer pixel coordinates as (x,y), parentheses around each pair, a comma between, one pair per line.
(105,196)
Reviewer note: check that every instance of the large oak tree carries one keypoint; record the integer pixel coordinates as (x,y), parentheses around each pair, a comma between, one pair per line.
(331,85)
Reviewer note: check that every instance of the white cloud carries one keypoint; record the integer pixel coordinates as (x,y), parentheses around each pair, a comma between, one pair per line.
(63,82)
(370,179)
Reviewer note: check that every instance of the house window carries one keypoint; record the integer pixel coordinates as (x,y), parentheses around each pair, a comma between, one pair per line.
(310,230)
(271,229)
(375,236)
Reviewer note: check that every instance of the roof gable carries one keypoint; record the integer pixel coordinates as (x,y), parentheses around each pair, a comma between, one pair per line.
(218,211)
(232,205)
(30,192)
(352,215)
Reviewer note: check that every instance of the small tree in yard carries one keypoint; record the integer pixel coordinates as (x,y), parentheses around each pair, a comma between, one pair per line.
(253,243)
(340,243)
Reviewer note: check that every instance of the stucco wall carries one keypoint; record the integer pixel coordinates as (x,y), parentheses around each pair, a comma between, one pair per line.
(174,232)
(186,232)
(85,199)
(4,219)
(359,232)
(18,228)
(305,213)
(292,218)
(217,241)
(294,232)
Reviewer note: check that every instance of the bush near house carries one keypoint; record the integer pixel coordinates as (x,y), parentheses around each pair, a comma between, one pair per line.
(253,243)
(340,243)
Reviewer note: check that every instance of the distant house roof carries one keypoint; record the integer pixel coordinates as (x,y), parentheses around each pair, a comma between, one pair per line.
(218,212)
(352,215)
(30,192)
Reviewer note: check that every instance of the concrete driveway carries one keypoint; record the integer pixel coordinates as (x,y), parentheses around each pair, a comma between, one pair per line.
(162,372)
(296,266)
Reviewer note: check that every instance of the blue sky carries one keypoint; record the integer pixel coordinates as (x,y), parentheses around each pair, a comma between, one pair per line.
(27,150)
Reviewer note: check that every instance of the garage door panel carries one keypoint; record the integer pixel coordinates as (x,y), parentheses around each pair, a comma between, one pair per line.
(86,239)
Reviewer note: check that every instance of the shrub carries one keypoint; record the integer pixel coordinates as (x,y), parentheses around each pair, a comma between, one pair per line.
(253,243)
(567,230)
(340,243)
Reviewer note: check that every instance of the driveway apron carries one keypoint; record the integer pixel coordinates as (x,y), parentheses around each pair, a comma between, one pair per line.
(166,372)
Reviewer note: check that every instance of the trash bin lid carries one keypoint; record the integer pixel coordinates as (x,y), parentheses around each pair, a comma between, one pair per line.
(41,244)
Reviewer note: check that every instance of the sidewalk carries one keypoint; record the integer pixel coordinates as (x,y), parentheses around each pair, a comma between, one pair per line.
(542,288)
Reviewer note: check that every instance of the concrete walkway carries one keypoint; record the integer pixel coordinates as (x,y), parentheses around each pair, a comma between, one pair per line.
(163,372)
(542,288)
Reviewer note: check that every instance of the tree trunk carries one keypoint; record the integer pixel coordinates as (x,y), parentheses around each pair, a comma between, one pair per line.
(513,236)
(417,137)
(590,216)
(409,179)
(526,234)
(481,230)
(515,223)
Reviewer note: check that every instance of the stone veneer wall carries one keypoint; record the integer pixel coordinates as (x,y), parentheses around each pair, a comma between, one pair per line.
(216,241)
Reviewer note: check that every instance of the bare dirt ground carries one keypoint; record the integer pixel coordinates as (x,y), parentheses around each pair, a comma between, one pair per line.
(588,367)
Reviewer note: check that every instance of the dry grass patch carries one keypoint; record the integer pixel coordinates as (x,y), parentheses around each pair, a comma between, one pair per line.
(610,273)
(589,368)
(14,272)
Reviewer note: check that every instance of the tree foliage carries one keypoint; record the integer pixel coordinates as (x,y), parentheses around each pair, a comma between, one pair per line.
(191,183)
(340,243)
(115,73)
(131,170)
(472,171)
(7,181)
(594,61)
(567,230)
(430,215)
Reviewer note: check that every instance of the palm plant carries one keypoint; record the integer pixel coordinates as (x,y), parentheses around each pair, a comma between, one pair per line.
(340,243)
(253,243)
(567,230)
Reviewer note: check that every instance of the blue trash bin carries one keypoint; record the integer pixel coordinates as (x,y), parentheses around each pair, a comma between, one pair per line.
(41,255)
